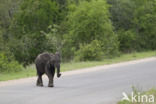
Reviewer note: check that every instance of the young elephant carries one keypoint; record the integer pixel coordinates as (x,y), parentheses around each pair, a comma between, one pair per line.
(46,63)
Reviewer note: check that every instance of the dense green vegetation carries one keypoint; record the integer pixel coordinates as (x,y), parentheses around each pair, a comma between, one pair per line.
(81,30)
(134,21)
(90,31)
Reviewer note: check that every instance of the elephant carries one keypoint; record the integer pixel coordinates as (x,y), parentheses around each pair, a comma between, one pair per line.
(46,64)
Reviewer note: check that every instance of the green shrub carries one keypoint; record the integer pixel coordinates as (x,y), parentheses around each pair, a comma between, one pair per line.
(27,48)
(128,40)
(8,64)
(89,52)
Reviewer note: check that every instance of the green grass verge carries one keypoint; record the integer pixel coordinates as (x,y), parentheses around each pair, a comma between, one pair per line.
(30,70)
(139,95)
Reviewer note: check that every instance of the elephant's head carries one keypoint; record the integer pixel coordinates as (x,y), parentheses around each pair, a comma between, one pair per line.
(56,60)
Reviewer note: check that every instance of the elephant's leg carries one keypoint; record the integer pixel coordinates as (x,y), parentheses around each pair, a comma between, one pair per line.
(50,76)
(39,69)
(39,81)
(53,73)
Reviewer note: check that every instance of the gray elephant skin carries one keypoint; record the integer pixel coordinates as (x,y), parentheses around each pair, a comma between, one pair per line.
(46,63)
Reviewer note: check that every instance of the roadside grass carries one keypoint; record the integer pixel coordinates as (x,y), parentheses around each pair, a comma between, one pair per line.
(139,98)
(30,71)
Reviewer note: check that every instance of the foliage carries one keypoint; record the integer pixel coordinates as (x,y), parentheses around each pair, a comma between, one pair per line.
(3,46)
(8,9)
(145,23)
(128,42)
(1,41)
(122,13)
(90,52)
(27,48)
(87,22)
(28,26)
(35,16)
(8,64)
(136,15)
(54,39)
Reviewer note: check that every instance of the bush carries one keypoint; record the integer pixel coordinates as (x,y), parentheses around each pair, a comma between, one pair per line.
(128,40)
(8,64)
(27,48)
(89,52)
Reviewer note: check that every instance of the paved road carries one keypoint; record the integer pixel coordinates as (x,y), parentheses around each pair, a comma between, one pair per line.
(103,86)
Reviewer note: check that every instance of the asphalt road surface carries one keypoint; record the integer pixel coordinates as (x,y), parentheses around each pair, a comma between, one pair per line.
(104,85)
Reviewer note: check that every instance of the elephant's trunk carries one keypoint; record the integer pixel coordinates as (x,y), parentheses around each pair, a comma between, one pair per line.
(58,71)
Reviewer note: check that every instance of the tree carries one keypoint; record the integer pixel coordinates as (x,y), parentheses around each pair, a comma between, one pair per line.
(145,23)
(1,41)
(137,16)
(31,21)
(87,22)
(122,13)
(7,10)
(35,16)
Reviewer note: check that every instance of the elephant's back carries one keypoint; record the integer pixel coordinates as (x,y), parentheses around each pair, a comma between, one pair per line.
(42,58)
